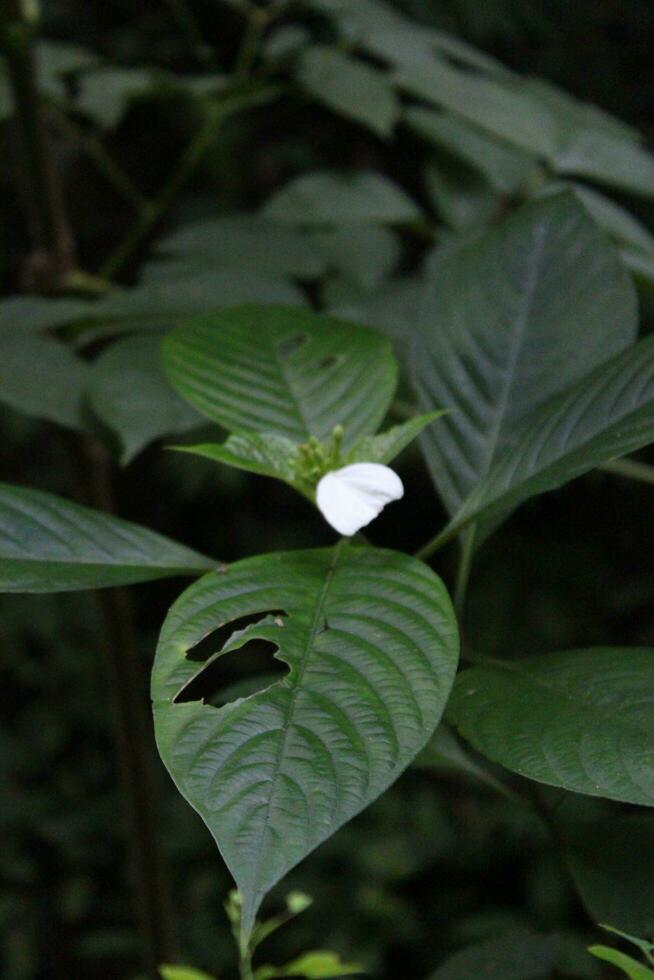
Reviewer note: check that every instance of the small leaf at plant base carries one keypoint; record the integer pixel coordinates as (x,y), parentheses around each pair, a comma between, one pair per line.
(580,720)
(169,972)
(629,966)
(51,545)
(317,964)
(130,393)
(371,641)
(277,369)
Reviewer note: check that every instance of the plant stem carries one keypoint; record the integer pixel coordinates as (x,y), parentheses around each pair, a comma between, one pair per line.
(187,23)
(189,160)
(631,469)
(92,147)
(467,545)
(257,20)
(133,736)
(53,256)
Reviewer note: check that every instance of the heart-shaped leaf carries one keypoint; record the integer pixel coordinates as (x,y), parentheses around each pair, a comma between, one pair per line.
(51,545)
(285,371)
(370,640)
(581,720)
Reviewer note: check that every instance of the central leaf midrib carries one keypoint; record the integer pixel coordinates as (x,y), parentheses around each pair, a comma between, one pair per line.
(290,711)
(514,353)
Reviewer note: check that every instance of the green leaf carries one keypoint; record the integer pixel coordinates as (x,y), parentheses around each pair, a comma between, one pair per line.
(607,414)
(445,753)
(51,545)
(363,255)
(506,168)
(318,964)
(106,92)
(42,378)
(290,372)
(130,393)
(622,226)
(629,966)
(462,197)
(169,972)
(385,446)
(370,640)
(256,452)
(512,318)
(612,863)
(501,108)
(580,720)
(519,955)
(18,314)
(245,242)
(350,87)
(332,198)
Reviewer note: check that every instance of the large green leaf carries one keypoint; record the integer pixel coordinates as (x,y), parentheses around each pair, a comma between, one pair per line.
(510,319)
(519,955)
(349,87)
(51,545)
(331,198)
(245,242)
(506,168)
(290,372)
(581,720)
(129,391)
(607,414)
(612,862)
(371,642)
(42,378)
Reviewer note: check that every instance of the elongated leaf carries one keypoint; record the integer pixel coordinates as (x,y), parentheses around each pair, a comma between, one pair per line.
(285,371)
(51,545)
(512,319)
(42,378)
(169,972)
(331,198)
(505,167)
(629,966)
(581,720)
(385,446)
(609,413)
(349,87)
(370,640)
(622,226)
(129,391)
(245,242)
(519,955)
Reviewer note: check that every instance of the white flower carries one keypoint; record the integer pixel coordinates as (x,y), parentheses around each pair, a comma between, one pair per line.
(353,496)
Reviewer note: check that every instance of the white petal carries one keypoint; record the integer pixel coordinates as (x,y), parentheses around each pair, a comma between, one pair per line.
(353,496)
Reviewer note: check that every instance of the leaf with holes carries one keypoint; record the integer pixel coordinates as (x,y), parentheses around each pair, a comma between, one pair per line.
(581,720)
(370,640)
(50,545)
(510,320)
(285,371)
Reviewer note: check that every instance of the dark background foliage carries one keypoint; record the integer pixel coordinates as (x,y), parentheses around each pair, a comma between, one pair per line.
(440,860)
